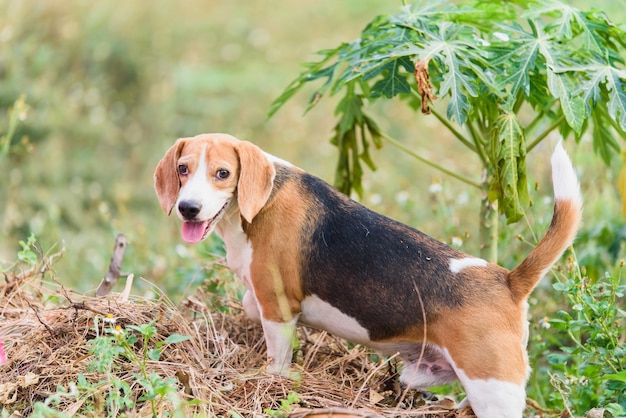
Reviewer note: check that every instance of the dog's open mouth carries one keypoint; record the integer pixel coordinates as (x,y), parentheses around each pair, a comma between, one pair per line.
(195,231)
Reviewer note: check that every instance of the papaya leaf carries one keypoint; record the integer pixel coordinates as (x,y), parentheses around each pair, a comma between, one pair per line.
(356,169)
(450,53)
(486,61)
(517,51)
(509,183)
(315,71)
(394,83)
(604,143)
(596,76)
(569,21)
(350,137)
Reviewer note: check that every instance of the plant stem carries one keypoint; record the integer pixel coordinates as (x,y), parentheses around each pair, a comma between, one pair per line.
(545,133)
(478,145)
(453,130)
(429,162)
(445,122)
(488,229)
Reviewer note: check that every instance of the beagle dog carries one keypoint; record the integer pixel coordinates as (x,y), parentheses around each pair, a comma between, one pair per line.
(309,254)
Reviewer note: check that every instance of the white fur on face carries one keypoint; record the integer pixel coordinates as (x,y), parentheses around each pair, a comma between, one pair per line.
(199,189)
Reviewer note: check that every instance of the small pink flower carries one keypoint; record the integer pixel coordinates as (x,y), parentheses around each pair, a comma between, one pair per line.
(3,355)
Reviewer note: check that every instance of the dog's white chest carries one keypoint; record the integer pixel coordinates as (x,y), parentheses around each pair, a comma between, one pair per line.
(238,250)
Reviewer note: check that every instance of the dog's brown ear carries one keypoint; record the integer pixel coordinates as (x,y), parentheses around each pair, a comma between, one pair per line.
(256,178)
(166,181)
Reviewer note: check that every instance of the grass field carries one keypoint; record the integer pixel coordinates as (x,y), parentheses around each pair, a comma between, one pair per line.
(110,86)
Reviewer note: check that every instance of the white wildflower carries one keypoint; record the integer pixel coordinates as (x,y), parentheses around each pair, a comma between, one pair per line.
(375,199)
(109,319)
(435,188)
(402,197)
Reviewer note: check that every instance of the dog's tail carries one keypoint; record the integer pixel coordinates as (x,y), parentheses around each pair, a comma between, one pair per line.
(561,233)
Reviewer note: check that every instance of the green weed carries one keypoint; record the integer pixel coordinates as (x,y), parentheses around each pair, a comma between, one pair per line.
(113,395)
(583,344)
(285,406)
(17,114)
(26,256)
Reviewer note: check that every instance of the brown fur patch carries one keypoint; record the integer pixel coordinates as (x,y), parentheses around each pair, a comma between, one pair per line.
(276,240)
(562,231)
(256,176)
(166,182)
(485,341)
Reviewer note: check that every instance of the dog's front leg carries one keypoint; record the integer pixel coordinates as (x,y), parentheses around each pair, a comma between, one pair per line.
(279,336)
(279,339)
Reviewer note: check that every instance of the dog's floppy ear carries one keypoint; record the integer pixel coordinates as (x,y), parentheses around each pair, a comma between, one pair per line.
(166,181)
(256,178)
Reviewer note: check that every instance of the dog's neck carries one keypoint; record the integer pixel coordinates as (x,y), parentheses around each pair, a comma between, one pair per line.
(238,248)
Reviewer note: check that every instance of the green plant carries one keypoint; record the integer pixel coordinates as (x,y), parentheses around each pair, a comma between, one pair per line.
(112,344)
(285,406)
(16,114)
(27,256)
(584,344)
(512,72)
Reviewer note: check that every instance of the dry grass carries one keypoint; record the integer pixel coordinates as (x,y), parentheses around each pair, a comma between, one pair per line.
(46,329)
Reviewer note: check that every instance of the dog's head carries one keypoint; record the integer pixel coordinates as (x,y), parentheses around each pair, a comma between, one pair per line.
(204,176)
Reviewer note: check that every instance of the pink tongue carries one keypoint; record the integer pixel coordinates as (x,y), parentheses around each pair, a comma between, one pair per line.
(193,231)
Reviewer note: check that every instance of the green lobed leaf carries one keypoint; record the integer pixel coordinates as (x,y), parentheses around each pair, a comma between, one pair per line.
(314,71)
(516,52)
(509,184)
(394,82)
(616,84)
(451,54)
(568,22)
(565,63)
(603,139)
(346,173)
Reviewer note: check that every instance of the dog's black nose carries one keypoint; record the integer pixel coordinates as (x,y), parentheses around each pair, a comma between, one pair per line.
(189,209)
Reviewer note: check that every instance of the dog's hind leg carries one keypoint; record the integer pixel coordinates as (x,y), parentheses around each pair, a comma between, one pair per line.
(424,367)
(493,369)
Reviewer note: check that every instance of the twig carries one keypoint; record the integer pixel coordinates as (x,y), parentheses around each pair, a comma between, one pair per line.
(39,318)
(535,405)
(129,284)
(369,376)
(83,307)
(302,413)
(115,266)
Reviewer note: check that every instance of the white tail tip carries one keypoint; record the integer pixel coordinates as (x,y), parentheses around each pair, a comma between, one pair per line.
(564,179)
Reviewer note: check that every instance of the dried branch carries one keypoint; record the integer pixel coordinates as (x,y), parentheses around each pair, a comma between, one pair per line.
(115,266)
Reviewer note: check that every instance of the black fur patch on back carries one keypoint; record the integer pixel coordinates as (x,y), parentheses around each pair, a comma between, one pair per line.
(369,266)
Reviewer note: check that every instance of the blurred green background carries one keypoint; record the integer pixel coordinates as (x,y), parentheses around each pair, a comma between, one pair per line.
(111,85)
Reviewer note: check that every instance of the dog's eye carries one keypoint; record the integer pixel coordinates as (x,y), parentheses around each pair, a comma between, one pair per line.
(183,170)
(222,174)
